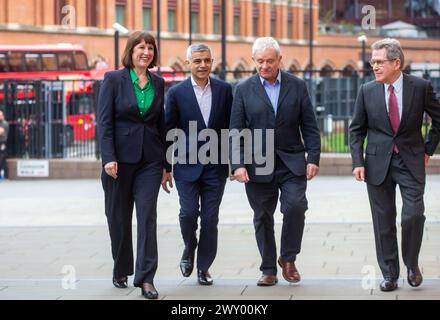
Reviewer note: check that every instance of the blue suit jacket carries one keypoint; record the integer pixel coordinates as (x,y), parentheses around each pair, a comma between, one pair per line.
(124,135)
(182,107)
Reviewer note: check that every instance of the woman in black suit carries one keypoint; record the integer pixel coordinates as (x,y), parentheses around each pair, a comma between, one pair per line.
(132,138)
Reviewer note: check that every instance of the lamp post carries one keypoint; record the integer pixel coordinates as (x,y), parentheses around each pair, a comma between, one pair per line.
(311,39)
(158,34)
(119,29)
(190,20)
(223,71)
(363,39)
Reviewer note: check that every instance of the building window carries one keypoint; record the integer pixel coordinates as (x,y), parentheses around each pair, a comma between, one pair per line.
(273,19)
(237,13)
(171,20)
(326,72)
(273,27)
(172,9)
(146,18)
(92,14)
(195,22)
(146,14)
(195,9)
(290,23)
(216,23)
(306,28)
(237,25)
(120,11)
(255,18)
(59,4)
(348,71)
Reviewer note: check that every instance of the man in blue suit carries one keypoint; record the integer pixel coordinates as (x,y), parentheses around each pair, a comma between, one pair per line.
(200,102)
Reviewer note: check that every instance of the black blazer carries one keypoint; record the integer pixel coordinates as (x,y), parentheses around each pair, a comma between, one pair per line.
(371,118)
(294,123)
(182,107)
(124,135)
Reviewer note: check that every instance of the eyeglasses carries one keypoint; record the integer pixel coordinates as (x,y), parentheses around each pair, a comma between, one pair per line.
(380,63)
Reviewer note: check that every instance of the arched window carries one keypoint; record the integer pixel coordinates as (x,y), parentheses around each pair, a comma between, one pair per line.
(238,72)
(348,71)
(326,71)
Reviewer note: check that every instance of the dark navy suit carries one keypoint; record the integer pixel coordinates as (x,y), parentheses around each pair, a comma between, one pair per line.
(137,144)
(200,186)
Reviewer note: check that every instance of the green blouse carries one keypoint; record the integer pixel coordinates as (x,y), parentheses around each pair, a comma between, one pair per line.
(145,95)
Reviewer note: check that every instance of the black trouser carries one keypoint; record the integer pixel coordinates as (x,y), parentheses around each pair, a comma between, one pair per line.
(383,208)
(136,184)
(263,198)
(201,198)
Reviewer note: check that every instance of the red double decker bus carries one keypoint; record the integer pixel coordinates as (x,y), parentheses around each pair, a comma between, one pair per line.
(66,62)
(42,61)
(53,62)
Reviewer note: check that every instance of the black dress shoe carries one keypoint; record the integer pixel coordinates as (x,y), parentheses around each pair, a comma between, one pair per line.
(415,277)
(388,284)
(149,291)
(187,263)
(204,278)
(120,283)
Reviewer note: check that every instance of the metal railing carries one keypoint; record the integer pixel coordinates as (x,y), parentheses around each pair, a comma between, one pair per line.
(56,119)
(50,119)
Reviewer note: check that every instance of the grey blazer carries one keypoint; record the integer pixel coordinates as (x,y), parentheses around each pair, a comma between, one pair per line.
(295,128)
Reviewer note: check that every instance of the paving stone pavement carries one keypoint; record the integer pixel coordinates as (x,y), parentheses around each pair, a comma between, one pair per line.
(54,244)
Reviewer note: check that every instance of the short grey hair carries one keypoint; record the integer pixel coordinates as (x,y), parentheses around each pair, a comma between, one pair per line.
(393,48)
(265,43)
(196,47)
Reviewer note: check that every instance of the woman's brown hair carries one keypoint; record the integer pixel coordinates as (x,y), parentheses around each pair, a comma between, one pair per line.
(134,39)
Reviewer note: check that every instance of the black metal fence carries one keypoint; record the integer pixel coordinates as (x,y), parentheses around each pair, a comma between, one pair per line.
(50,119)
(56,119)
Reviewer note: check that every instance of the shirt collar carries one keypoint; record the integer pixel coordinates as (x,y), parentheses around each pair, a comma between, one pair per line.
(134,77)
(194,83)
(263,81)
(398,84)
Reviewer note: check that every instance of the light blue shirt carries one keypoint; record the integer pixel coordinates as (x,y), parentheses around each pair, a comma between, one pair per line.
(273,90)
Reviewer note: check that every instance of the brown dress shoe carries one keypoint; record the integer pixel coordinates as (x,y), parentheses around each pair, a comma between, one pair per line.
(290,273)
(267,280)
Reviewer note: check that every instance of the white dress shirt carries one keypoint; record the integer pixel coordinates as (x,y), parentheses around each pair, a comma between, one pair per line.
(398,88)
(204,99)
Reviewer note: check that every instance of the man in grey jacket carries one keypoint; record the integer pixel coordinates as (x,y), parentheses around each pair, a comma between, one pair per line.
(390,112)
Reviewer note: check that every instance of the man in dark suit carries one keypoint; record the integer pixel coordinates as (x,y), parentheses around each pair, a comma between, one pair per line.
(201,103)
(275,102)
(390,111)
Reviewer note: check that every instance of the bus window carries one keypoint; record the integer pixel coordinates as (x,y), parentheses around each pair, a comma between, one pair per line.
(80,61)
(16,63)
(33,62)
(49,62)
(3,63)
(65,61)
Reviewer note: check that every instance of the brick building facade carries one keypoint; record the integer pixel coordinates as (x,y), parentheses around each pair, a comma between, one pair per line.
(89,23)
